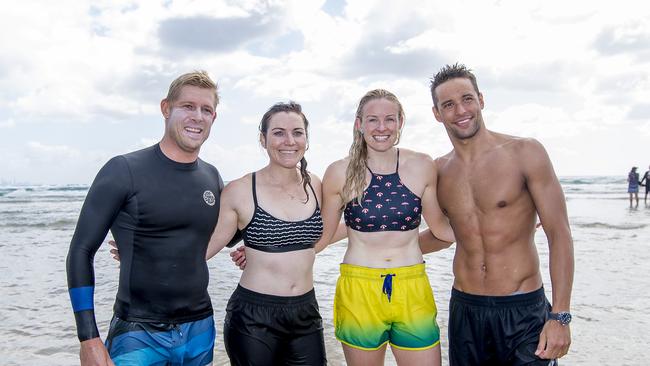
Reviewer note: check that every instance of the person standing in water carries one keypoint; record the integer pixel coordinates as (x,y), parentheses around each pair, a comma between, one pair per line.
(162,312)
(646,179)
(272,317)
(492,187)
(383,295)
(633,186)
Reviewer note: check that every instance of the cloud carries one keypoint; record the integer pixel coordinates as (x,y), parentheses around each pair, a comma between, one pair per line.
(552,69)
(525,119)
(549,76)
(631,38)
(234,162)
(387,51)
(378,58)
(40,163)
(51,153)
(334,8)
(282,44)
(218,35)
(639,112)
(145,83)
(623,85)
(8,123)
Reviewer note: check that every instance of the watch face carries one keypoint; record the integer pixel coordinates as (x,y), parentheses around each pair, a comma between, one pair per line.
(564,318)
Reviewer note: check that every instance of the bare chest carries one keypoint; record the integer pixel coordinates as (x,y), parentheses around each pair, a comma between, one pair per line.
(480,189)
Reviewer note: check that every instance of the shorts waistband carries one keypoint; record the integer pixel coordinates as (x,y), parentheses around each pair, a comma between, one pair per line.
(528,298)
(149,326)
(351,270)
(162,320)
(266,299)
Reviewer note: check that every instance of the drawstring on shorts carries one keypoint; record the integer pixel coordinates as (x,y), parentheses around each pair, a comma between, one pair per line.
(388,285)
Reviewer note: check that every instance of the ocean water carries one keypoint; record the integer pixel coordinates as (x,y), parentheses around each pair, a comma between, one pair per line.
(610,293)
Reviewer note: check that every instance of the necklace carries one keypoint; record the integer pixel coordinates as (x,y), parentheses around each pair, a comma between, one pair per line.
(294,197)
(284,189)
(290,195)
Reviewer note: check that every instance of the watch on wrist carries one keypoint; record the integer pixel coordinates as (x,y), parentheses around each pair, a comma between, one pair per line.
(564,317)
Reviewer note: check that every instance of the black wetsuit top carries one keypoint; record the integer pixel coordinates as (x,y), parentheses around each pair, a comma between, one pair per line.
(162,214)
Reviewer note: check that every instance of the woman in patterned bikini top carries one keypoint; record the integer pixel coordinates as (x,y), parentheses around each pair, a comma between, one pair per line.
(383,193)
(386,205)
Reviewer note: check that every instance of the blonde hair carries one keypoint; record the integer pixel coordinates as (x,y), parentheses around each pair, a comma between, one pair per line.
(199,78)
(355,174)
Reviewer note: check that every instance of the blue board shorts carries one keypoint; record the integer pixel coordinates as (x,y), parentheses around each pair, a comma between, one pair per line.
(142,343)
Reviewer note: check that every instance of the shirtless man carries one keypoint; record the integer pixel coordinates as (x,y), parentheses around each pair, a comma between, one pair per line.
(492,187)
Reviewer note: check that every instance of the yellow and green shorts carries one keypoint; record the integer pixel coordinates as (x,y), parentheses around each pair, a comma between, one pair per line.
(373,306)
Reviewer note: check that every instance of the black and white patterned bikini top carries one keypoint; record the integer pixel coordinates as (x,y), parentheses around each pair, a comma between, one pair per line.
(269,234)
(387,205)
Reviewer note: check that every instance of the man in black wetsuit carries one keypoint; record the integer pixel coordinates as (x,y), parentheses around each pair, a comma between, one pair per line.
(161,205)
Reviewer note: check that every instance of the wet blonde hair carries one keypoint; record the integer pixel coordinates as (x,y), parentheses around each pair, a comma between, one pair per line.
(355,174)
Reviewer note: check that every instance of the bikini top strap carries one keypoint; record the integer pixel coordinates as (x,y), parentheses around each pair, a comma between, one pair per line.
(314,193)
(254,190)
(397,165)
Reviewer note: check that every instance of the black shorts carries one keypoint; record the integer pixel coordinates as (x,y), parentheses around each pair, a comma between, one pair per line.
(262,329)
(496,330)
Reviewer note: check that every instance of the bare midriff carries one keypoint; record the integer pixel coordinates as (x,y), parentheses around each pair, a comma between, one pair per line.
(386,249)
(280,274)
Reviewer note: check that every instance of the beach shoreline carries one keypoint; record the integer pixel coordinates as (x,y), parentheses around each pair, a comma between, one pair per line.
(610,290)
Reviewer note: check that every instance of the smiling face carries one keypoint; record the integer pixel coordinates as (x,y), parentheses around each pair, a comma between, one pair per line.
(285,140)
(380,124)
(188,119)
(459,108)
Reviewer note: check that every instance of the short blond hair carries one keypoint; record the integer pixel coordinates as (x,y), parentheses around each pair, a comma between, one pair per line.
(198,78)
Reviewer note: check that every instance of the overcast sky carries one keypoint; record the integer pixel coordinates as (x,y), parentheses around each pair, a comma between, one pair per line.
(81,81)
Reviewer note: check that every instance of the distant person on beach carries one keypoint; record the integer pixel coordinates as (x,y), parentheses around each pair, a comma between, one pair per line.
(383,295)
(645,181)
(492,187)
(161,205)
(633,185)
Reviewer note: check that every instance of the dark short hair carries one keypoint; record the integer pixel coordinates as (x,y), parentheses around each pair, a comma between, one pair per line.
(449,72)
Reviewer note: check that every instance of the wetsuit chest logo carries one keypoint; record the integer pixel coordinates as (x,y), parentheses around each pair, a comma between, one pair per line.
(208,197)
